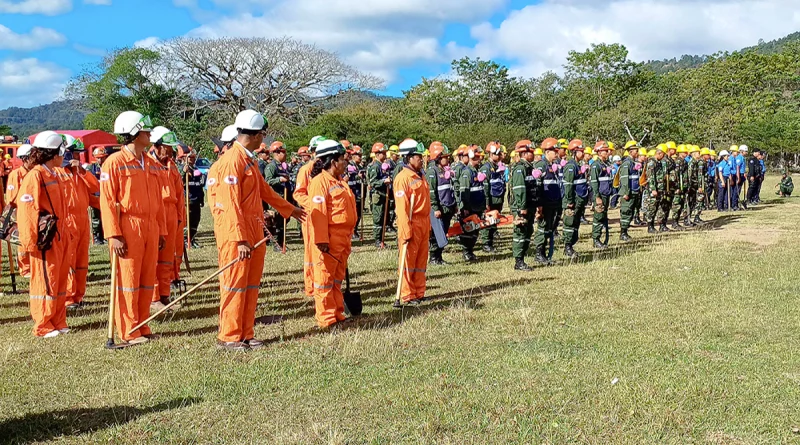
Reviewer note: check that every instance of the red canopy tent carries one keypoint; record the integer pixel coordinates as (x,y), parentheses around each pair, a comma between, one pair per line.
(90,138)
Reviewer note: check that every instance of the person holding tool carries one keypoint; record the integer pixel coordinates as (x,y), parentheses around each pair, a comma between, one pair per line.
(355,180)
(443,196)
(41,215)
(277,173)
(194,183)
(238,226)
(332,219)
(12,194)
(380,181)
(413,206)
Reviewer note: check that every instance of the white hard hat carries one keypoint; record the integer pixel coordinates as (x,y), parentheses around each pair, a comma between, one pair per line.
(72,144)
(616,158)
(250,120)
(163,135)
(408,146)
(329,147)
(49,140)
(131,123)
(229,134)
(743,148)
(24,150)
(724,153)
(315,141)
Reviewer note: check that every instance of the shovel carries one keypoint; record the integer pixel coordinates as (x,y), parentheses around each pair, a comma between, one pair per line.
(352,300)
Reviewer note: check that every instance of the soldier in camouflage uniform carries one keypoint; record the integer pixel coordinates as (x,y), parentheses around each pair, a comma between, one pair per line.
(682,189)
(628,189)
(576,196)
(640,161)
(600,180)
(523,206)
(697,186)
(656,186)
(380,183)
(494,190)
(669,167)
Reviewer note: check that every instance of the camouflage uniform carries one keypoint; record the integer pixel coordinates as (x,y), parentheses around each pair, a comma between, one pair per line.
(696,199)
(656,182)
(681,191)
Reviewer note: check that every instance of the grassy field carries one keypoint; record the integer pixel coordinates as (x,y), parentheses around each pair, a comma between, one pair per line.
(689,337)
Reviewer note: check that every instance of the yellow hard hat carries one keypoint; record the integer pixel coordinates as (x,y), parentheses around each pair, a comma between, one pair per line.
(694,148)
(563,143)
(394,148)
(588,151)
(651,153)
(538,151)
(663,147)
(713,153)
(503,149)
(705,151)
(627,153)
(735,148)
(671,145)
(610,145)
(630,144)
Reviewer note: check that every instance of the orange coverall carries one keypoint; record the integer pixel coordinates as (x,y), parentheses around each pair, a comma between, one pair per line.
(12,192)
(172,196)
(49,269)
(414,226)
(135,186)
(79,196)
(302,199)
(333,217)
(238,192)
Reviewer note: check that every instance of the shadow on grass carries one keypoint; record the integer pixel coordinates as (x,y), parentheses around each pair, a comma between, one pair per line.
(49,425)
(12,320)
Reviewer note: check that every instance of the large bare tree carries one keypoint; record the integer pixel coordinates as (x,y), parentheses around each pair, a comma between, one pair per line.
(282,77)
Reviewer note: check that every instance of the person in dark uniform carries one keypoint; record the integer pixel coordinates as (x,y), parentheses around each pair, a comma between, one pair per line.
(356,177)
(523,206)
(753,176)
(441,180)
(197,182)
(600,180)
(100,154)
(494,190)
(549,200)
(380,182)
(629,172)
(277,175)
(471,199)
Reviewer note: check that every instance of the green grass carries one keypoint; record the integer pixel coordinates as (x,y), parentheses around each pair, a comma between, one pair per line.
(698,329)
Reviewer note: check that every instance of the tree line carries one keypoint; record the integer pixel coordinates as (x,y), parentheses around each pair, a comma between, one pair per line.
(195,86)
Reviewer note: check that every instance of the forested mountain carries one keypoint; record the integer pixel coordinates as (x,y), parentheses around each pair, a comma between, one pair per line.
(693,61)
(62,115)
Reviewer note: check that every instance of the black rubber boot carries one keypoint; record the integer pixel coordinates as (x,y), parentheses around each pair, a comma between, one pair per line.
(651,228)
(519,264)
(470,257)
(599,245)
(569,252)
(637,220)
(688,222)
(663,228)
(675,226)
(541,258)
(488,248)
(624,237)
(697,220)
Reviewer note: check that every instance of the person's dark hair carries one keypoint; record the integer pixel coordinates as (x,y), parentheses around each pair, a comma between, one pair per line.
(324,163)
(39,156)
(128,138)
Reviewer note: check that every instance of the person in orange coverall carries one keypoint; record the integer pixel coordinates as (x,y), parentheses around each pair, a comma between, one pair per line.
(332,219)
(163,141)
(81,194)
(133,223)
(12,193)
(40,192)
(413,208)
(238,226)
(301,197)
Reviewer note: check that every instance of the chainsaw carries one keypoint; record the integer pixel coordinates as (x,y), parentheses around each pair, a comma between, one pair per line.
(473,223)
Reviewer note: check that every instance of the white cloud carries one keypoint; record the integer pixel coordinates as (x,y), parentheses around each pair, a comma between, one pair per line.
(376,36)
(30,82)
(97,2)
(46,7)
(538,37)
(37,39)
(149,42)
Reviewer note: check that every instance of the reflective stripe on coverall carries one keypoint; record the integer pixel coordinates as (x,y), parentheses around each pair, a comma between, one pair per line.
(302,199)
(48,269)
(172,196)
(239,216)
(333,217)
(134,186)
(84,188)
(12,192)
(413,225)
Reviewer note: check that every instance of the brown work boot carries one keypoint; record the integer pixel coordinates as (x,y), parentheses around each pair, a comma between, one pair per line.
(235,346)
(254,343)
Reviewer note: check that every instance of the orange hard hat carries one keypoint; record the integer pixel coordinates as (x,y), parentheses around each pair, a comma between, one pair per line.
(184,150)
(550,144)
(523,145)
(601,145)
(356,150)
(437,150)
(378,147)
(576,144)
(303,151)
(345,143)
(493,148)
(261,148)
(276,146)
(100,152)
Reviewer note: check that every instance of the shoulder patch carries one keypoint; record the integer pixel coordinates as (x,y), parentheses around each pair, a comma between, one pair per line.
(231,180)
(10,187)
(211,181)
(219,205)
(400,193)
(104,176)
(26,198)
(318,199)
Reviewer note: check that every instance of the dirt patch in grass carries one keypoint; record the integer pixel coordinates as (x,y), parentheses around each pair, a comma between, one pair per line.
(761,237)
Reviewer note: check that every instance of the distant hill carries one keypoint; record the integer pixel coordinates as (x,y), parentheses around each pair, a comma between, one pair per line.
(61,115)
(688,61)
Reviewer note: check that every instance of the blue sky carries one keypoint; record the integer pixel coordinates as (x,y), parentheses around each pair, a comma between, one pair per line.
(43,43)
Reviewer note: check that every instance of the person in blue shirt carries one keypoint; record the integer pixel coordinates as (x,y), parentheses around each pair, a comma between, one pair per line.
(733,160)
(741,176)
(711,172)
(723,181)
(761,181)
